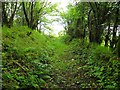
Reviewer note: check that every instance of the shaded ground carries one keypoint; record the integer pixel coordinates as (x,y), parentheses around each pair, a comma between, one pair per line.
(39,62)
(67,71)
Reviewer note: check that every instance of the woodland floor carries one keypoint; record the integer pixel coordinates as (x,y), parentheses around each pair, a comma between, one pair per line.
(67,71)
(55,63)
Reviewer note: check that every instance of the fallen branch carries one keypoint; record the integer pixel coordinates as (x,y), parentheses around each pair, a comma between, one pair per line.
(15,62)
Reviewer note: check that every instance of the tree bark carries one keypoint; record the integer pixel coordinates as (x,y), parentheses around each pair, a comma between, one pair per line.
(107,35)
(5,20)
(4,15)
(113,41)
(12,16)
(89,26)
(31,13)
(26,16)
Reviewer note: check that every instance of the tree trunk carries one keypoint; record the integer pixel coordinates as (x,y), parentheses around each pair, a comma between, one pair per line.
(31,14)
(26,16)
(5,20)
(12,16)
(113,41)
(107,35)
(89,26)
(4,15)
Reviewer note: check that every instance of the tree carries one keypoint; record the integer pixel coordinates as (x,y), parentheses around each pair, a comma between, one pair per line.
(31,19)
(8,13)
(34,12)
(116,23)
(100,15)
(29,14)
(92,18)
(75,20)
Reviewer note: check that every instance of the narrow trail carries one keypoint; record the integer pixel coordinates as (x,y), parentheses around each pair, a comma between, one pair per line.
(62,69)
(66,72)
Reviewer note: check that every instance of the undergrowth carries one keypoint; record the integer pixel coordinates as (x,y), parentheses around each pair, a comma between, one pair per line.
(35,61)
(101,66)
(26,58)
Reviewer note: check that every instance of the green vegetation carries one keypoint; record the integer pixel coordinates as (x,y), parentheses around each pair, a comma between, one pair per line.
(86,55)
(37,61)
(25,58)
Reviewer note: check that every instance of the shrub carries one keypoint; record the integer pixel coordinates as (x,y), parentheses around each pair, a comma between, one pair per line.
(102,53)
(25,59)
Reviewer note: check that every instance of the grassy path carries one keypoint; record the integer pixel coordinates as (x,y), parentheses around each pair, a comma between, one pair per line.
(67,67)
(64,68)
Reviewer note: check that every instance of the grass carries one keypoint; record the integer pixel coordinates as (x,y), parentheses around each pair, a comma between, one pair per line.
(32,60)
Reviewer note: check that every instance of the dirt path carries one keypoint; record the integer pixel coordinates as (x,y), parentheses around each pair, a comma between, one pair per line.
(67,71)
(64,69)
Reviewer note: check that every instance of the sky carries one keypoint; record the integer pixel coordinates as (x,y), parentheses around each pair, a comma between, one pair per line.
(62,3)
(57,26)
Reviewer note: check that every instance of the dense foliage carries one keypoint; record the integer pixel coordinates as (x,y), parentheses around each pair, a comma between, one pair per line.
(87,55)
(38,61)
(26,58)
(96,20)
(101,66)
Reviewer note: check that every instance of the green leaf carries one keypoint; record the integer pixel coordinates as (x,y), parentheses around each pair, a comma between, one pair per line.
(97,73)
(102,68)
(109,86)
(35,85)
(46,77)
(42,81)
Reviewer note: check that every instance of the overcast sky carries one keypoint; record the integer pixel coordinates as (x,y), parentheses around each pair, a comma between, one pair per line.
(57,26)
